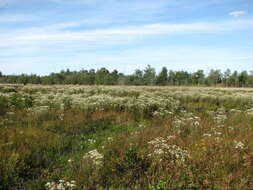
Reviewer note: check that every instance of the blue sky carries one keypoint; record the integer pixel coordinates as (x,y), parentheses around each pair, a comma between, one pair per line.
(44,36)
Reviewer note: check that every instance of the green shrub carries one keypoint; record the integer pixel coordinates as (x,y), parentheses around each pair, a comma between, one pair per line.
(67,102)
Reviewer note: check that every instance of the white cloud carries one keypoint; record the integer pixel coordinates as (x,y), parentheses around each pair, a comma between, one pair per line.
(237,13)
(35,46)
(55,33)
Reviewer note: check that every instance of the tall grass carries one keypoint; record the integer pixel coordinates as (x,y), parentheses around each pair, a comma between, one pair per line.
(201,143)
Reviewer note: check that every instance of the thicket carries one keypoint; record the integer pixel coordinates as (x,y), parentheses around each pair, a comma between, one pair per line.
(148,76)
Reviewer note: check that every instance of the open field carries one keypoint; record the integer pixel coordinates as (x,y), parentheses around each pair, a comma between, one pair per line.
(119,137)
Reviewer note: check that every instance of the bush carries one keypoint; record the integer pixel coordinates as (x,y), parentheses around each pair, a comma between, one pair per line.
(20,101)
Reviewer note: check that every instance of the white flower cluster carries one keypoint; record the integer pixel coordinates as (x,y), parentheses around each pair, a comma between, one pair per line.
(161,112)
(207,135)
(109,139)
(95,157)
(105,98)
(161,150)
(212,94)
(91,141)
(188,119)
(61,185)
(156,101)
(239,145)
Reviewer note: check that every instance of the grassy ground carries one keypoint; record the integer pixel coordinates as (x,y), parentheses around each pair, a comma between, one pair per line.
(125,138)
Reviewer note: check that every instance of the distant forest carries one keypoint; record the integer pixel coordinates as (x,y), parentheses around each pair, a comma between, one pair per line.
(147,76)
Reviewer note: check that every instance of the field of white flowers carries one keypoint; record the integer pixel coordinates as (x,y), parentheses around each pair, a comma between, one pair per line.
(121,137)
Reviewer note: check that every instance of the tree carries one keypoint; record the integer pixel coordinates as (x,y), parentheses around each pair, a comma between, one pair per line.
(100,77)
(242,79)
(226,77)
(162,78)
(214,77)
(60,78)
(146,76)
(92,77)
(149,76)
(114,77)
(136,78)
(181,78)
(171,77)
(250,79)
(198,77)
(233,79)
(23,79)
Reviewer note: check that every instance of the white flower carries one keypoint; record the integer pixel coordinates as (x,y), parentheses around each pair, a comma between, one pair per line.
(95,157)
(110,139)
(239,145)
(161,150)
(73,181)
(61,185)
(91,141)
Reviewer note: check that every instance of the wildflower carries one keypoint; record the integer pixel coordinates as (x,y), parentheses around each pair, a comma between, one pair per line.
(91,141)
(217,133)
(161,150)
(239,145)
(196,123)
(61,185)
(110,139)
(170,137)
(95,157)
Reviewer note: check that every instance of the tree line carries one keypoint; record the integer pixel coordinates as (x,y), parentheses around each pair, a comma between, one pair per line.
(147,76)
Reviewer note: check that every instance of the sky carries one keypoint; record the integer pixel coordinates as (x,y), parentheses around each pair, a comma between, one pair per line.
(45,36)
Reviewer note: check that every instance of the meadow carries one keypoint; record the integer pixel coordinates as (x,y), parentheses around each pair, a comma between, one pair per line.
(71,137)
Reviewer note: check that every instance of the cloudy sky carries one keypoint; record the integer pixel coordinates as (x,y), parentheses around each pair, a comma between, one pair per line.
(44,36)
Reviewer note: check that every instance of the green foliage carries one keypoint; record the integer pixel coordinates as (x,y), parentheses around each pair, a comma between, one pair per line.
(146,76)
(67,102)
(4,105)
(162,78)
(26,155)
(28,101)
(132,161)
(149,76)
(20,101)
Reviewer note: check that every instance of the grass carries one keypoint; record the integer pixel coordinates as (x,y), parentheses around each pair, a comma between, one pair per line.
(201,144)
